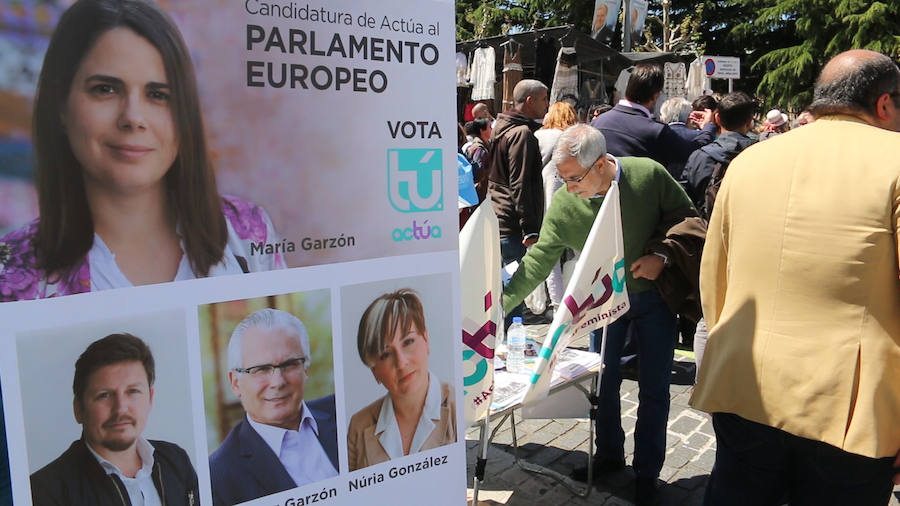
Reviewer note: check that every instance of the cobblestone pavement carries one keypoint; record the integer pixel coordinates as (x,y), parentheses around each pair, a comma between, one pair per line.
(561,445)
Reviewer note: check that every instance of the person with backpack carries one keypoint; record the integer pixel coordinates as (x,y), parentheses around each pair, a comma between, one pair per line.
(514,173)
(706,166)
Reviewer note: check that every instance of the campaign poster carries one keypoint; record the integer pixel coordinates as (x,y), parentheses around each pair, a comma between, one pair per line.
(320,134)
(638,16)
(603,26)
(174,171)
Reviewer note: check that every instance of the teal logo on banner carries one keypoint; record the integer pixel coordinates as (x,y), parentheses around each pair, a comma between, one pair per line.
(415,180)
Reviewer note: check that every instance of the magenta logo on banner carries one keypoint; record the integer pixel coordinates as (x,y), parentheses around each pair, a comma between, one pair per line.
(419,231)
(608,285)
(480,354)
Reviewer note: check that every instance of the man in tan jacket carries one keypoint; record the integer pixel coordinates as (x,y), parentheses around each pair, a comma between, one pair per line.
(799,283)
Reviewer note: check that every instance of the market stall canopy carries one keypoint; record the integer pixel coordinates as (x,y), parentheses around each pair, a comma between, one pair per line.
(587,49)
(655,57)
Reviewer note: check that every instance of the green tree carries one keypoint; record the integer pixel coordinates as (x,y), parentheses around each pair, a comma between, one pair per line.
(807,34)
(685,26)
(782,44)
(488,18)
(476,19)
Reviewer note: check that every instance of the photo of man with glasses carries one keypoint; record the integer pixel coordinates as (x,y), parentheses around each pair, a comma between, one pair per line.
(283,441)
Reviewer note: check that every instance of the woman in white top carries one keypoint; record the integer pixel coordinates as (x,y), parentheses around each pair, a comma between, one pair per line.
(126,187)
(560,116)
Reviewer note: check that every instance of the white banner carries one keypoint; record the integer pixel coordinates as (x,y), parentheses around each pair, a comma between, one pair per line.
(479,265)
(596,295)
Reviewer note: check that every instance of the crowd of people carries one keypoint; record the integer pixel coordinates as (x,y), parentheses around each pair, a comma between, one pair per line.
(769,245)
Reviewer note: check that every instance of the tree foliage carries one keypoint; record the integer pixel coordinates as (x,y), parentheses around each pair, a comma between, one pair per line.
(487,18)
(783,44)
(806,34)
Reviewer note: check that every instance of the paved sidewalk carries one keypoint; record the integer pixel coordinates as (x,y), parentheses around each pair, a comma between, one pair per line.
(561,445)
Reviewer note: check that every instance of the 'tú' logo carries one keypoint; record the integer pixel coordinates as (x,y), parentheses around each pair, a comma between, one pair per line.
(415,180)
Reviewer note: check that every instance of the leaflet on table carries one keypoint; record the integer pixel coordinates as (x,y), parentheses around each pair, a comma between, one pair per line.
(575,363)
(510,389)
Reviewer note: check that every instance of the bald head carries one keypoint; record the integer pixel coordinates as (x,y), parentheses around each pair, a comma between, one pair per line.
(530,97)
(843,65)
(481,111)
(855,82)
(527,88)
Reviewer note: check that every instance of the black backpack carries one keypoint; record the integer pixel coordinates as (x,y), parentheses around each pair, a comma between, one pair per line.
(712,188)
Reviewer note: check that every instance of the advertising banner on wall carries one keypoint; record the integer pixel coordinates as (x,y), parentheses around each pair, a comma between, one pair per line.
(231,228)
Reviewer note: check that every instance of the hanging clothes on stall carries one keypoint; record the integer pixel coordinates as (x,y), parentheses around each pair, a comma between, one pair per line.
(512,71)
(545,49)
(621,84)
(482,74)
(593,92)
(697,83)
(674,79)
(462,68)
(565,78)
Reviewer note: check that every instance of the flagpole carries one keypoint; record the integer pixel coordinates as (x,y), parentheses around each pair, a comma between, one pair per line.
(602,358)
(481,459)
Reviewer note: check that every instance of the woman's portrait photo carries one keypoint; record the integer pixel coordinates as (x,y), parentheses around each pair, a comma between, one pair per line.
(125,183)
(414,409)
(133,151)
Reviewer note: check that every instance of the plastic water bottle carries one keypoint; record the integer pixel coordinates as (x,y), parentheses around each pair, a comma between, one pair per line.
(515,358)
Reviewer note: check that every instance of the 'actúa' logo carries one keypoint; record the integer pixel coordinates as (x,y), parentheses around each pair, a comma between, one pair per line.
(416,232)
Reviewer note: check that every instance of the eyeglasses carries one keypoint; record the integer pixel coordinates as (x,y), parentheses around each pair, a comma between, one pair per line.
(290,366)
(579,179)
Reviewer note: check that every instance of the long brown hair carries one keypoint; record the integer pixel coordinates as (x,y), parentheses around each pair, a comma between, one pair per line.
(66,230)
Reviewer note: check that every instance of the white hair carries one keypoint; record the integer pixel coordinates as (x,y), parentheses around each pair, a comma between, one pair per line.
(267,319)
(583,142)
(675,109)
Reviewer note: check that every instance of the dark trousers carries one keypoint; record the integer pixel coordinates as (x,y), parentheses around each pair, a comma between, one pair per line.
(761,465)
(654,331)
(512,250)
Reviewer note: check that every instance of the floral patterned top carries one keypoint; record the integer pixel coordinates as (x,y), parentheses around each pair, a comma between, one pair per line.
(20,278)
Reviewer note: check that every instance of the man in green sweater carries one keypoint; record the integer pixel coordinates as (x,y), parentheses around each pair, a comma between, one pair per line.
(646,192)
